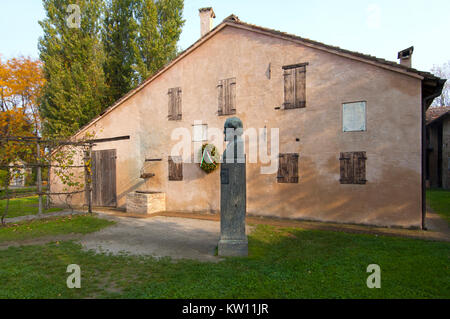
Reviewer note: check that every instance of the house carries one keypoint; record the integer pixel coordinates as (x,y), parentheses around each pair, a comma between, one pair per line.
(18,175)
(438,147)
(350,128)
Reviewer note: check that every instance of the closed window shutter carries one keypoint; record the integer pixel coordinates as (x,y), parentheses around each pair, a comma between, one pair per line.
(220,96)
(293,168)
(174,104)
(300,86)
(231,96)
(178,104)
(288,168)
(289,85)
(227,96)
(294,86)
(346,160)
(175,168)
(353,167)
(359,166)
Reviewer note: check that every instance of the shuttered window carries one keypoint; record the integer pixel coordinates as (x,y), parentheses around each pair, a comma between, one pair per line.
(288,168)
(294,86)
(175,168)
(353,167)
(174,104)
(226,91)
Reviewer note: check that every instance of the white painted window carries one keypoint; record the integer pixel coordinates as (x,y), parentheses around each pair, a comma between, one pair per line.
(354,117)
(199,132)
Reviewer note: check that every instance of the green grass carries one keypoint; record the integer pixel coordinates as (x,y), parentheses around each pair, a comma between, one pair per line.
(24,206)
(439,201)
(283,263)
(50,227)
(20,191)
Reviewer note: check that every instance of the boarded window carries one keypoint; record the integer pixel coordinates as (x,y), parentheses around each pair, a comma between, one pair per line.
(354,117)
(174,104)
(175,168)
(353,167)
(294,86)
(288,168)
(227,96)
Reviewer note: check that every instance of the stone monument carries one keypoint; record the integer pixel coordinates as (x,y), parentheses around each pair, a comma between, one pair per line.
(233,240)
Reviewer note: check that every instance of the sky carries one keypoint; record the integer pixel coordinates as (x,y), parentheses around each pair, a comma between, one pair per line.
(379,28)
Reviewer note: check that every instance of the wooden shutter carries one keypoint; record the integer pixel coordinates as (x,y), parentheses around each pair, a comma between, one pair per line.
(294,86)
(359,166)
(293,167)
(300,86)
(346,160)
(175,168)
(220,97)
(227,96)
(288,168)
(289,85)
(174,104)
(353,168)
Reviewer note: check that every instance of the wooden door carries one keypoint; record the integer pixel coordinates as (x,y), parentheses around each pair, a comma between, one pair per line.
(104,178)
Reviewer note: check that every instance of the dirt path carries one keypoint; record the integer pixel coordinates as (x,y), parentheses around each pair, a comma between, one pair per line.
(437,229)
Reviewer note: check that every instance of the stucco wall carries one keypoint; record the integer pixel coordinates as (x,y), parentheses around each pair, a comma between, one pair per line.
(392,195)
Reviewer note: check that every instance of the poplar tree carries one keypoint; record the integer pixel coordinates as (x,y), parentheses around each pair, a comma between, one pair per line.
(120,31)
(73,58)
(160,26)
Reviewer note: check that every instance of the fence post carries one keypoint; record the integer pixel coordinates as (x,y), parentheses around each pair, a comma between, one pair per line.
(39,175)
(88,177)
(47,203)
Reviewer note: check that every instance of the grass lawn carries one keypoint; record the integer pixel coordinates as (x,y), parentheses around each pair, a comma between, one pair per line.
(283,263)
(439,201)
(81,224)
(20,191)
(24,206)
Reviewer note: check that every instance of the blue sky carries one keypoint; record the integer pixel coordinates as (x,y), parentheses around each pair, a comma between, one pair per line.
(379,28)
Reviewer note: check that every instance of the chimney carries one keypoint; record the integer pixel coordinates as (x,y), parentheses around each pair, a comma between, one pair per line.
(206,20)
(405,56)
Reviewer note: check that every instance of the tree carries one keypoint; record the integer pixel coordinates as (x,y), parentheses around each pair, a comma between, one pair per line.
(120,29)
(13,122)
(75,91)
(442,71)
(139,37)
(160,26)
(21,82)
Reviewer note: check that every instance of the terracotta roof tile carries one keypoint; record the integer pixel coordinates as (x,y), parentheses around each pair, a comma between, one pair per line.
(435,112)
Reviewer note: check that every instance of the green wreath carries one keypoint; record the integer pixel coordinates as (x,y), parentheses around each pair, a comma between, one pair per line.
(209,158)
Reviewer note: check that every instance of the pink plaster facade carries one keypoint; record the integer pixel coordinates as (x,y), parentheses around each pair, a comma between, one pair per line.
(392,194)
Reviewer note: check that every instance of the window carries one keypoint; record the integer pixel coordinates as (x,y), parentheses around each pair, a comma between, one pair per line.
(227,96)
(174,104)
(353,167)
(354,117)
(294,86)
(288,168)
(200,132)
(175,168)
